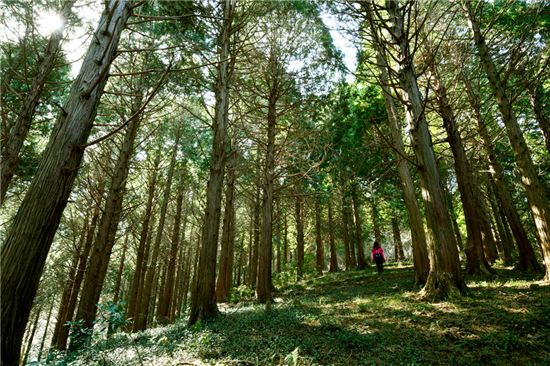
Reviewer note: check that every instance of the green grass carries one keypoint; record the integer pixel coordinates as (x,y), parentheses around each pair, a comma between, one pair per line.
(356,318)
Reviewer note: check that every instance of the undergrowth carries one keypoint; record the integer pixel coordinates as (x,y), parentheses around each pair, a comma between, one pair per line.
(353,318)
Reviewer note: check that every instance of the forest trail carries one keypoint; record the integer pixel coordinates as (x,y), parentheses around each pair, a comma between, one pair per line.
(356,318)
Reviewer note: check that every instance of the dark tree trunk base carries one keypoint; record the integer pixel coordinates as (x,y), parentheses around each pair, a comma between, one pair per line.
(481,271)
(533,268)
(204,313)
(481,268)
(443,287)
(418,283)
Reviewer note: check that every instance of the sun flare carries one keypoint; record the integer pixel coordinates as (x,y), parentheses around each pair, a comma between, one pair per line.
(50,22)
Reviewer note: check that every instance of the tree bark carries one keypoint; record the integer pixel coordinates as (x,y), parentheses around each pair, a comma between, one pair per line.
(190,272)
(183,255)
(11,149)
(421,261)
(120,271)
(256,243)
(263,288)
(527,259)
(539,202)
(141,258)
(167,291)
(278,236)
(62,311)
(29,238)
(477,222)
(361,262)
(241,265)
(31,335)
(142,309)
(158,286)
(452,213)
(250,245)
(333,256)
(106,236)
(60,341)
(445,275)
(319,249)
(299,238)
(45,335)
(398,244)
(285,242)
(537,102)
(203,297)
(375,221)
(224,282)
(348,244)
(500,220)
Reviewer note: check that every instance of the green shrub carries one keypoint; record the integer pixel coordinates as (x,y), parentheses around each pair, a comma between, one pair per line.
(241,293)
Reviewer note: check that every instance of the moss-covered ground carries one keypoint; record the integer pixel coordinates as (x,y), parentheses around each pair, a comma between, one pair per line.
(355,318)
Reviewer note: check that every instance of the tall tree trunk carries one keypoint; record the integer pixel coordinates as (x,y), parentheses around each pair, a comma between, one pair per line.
(11,149)
(319,249)
(31,335)
(285,242)
(167,291)
(140,313)
(45,335)
(62,312)
(263,288)
(158,285)
(224,282)
(278,235)
(106,236)
(141,258)
(8,75)
(203,297)
(399,255)
(348,244)
(375,221)
(421,261)
(333,256)
(256,243)
(60,341)
(527,259)
(536,97)
(299,238)
(477,222)
(182,259)
(539,202)
(240,266)
(445,274)
(28,241)
(191,272)
(452,213)
(361,262)
(490,248)
(186,277)
(250,245)
(502,226)
(142,309)
(120,271)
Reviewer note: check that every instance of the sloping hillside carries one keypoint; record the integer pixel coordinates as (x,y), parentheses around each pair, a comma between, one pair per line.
(355,318)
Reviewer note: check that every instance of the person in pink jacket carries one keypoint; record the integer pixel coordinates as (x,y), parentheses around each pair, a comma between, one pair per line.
(377,255)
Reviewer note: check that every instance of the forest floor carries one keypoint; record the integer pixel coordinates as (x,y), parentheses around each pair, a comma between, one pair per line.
(356,318)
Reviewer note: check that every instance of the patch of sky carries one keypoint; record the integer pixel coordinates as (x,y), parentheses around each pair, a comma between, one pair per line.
(342,42)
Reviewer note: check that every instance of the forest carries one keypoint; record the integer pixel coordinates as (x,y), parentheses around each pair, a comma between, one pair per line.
(205,182)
